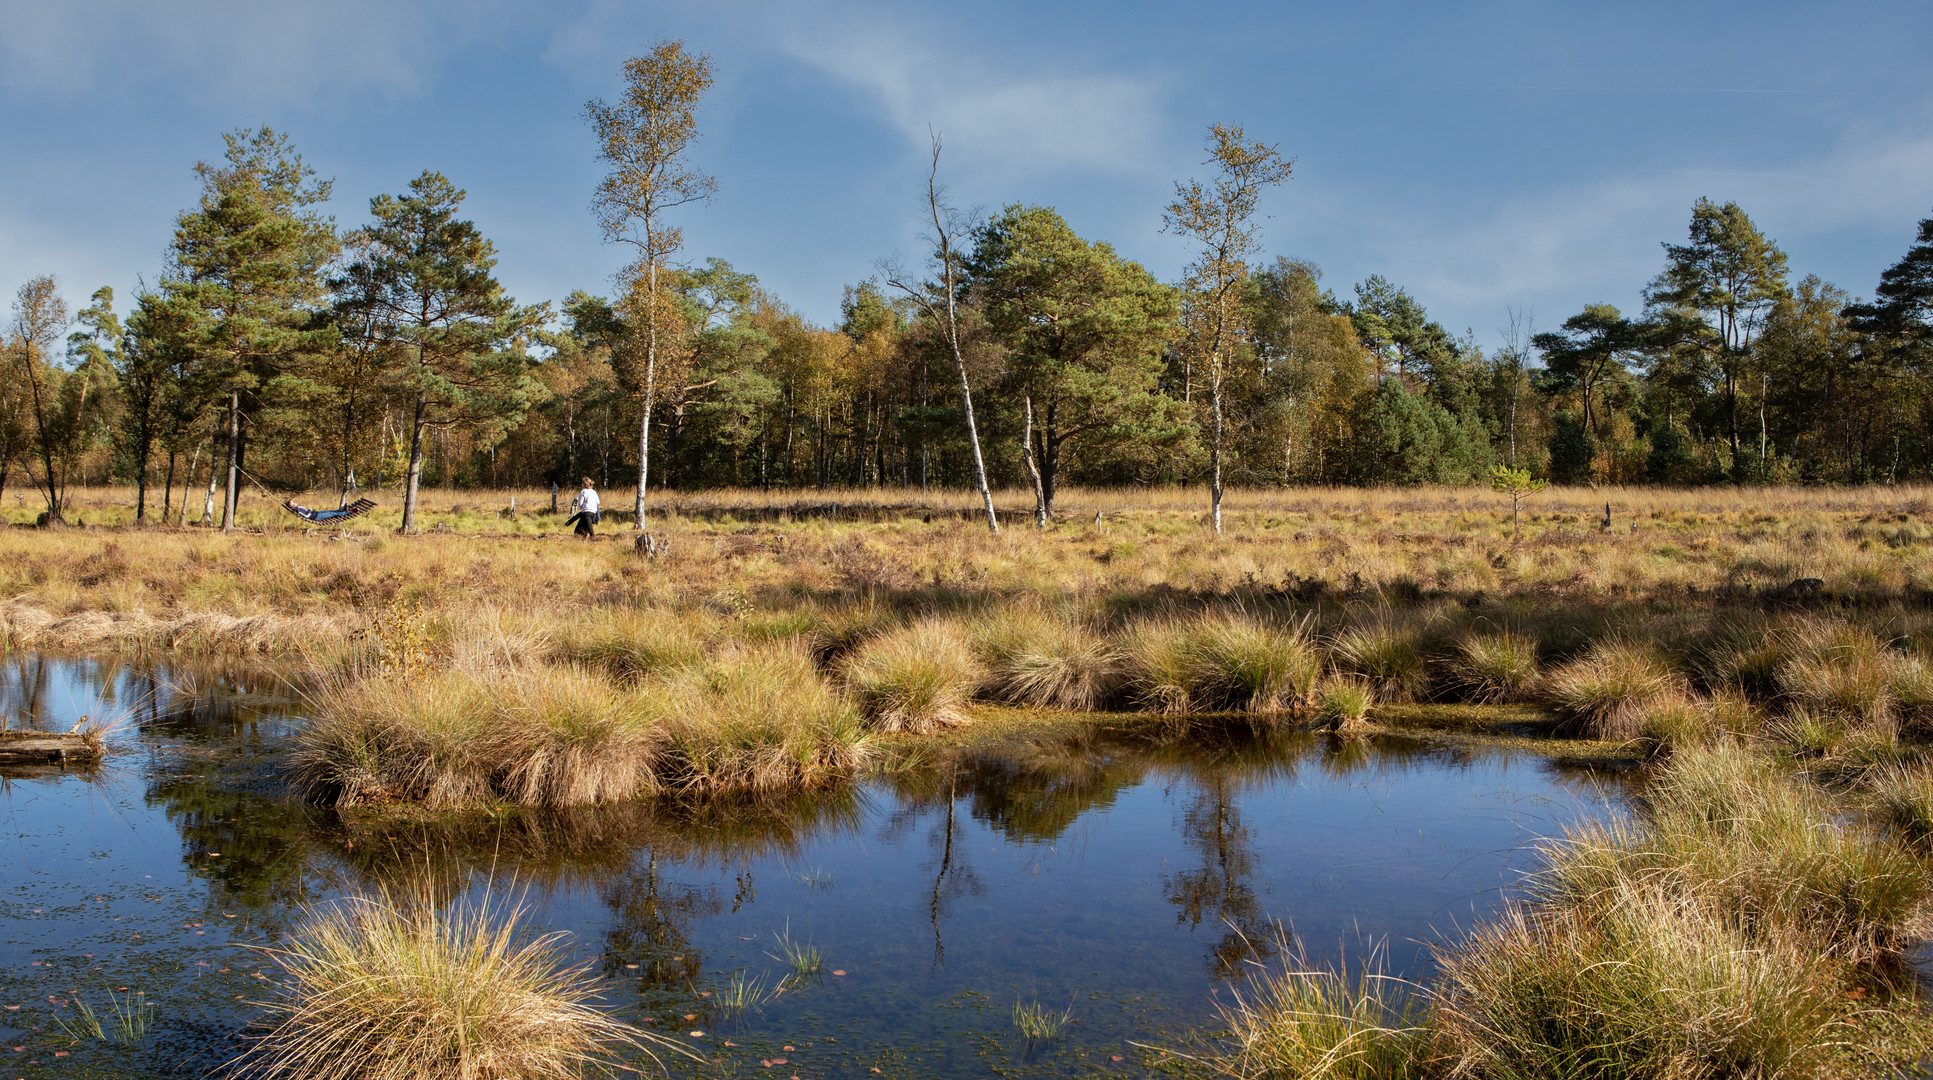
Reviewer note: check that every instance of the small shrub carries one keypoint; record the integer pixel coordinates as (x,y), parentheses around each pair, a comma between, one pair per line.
(1390,658)
(917,679)
(430,992)
(1607,692)
(1495,667)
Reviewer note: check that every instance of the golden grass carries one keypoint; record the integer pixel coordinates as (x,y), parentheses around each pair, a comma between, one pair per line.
(916,679)
(376,991)
(745,543)
(749,719)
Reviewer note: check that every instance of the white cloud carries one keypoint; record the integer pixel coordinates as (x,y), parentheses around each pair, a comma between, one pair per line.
(1600,241)
(236,51)
(997,118)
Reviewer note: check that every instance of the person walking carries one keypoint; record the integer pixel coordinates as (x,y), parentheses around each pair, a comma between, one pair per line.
(584,510)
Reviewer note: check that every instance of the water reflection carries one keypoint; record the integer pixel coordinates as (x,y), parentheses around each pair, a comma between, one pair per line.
(1132,868)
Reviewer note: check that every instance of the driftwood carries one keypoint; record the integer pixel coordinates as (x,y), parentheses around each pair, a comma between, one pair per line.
(44,748)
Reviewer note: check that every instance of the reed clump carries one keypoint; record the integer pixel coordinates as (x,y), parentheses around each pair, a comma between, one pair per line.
(376,991)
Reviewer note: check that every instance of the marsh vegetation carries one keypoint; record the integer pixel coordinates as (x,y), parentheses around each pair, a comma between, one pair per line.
(1766,665)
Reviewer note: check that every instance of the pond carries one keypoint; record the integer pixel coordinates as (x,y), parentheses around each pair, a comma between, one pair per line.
(1126,880)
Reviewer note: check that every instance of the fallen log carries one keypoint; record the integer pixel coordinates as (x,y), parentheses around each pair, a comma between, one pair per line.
(46,748)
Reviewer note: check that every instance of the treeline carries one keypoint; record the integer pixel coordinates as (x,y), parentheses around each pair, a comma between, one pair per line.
(278,350)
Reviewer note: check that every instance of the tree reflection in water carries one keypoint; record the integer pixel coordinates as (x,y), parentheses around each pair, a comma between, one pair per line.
(662,868)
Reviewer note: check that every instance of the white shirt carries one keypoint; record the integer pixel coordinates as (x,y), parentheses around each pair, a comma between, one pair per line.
(586,501)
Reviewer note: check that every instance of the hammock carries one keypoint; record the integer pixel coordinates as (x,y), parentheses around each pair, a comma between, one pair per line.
(326,517)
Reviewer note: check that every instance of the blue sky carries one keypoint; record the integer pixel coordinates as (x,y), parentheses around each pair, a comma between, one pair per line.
(1484,156)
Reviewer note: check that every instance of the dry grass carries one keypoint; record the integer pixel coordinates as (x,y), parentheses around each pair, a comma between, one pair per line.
(1387,542)
(752,718)
(917,679)
(1649,984)
(1046,661)
(374,991)
(1729,829)
(1224,661)
(1608,692)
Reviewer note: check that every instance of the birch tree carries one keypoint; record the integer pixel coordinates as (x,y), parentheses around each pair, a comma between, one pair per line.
(1219,218)
(644,137)
(939,301)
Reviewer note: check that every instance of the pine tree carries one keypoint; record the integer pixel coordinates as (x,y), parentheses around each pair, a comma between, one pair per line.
(422,277)
(246,277)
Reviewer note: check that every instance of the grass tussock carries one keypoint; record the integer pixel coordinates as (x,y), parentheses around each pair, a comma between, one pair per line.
(918,679)
(1648,983)
(1495,667)
(374,991)
(749,719)
(1389,658)
(1345,704)
(1731,830)
(1844,671)
(1304,1021)
(1724,930)
(1900,800)
(759,719)
(634,643)
(1606,693)
(1221,662)
(428,992)
(1046,661)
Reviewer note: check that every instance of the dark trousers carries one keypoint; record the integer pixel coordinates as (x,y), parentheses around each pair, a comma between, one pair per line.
(584,520)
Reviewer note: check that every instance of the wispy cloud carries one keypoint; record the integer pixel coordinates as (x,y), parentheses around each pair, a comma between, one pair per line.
(236,51)
(1576,244)
(1012,117)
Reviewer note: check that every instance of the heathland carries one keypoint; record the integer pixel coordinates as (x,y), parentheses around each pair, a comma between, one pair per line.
(1763,655)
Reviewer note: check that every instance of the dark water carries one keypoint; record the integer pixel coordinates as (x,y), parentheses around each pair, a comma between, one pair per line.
(1131,880)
